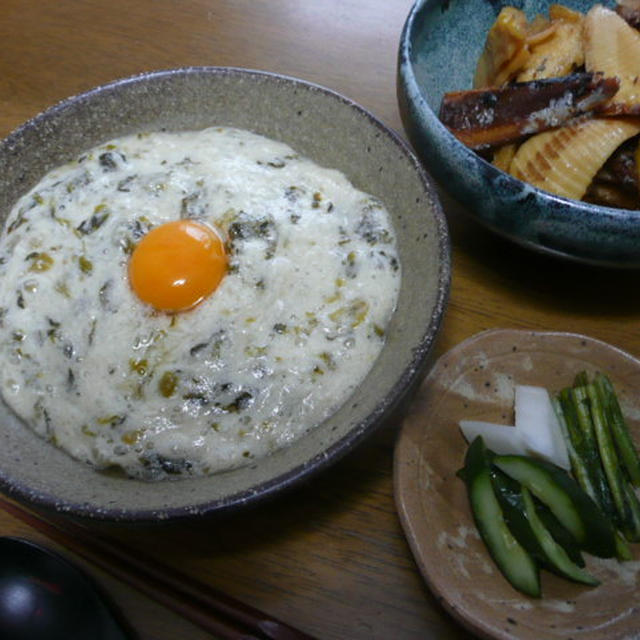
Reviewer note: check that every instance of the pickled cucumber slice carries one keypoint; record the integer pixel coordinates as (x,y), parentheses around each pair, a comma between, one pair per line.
(567,501)
(556,557)
(516,564)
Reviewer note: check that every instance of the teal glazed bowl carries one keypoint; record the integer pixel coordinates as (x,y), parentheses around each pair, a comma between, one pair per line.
(439,47)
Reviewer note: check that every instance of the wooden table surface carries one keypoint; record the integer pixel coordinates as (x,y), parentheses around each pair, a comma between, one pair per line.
(329,557)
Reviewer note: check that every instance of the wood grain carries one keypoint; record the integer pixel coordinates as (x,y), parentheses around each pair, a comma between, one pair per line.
(329,557)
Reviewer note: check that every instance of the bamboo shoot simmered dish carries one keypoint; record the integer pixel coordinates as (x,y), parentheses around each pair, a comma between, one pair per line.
(556,102)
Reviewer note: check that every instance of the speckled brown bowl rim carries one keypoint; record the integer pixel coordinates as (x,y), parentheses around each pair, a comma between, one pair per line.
(398,393)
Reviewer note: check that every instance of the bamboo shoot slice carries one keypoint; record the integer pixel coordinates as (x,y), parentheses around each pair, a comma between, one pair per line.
(505,49)
(539,29)
(561,12)
(556,56)
(564,161)
(612,47)
(503,156)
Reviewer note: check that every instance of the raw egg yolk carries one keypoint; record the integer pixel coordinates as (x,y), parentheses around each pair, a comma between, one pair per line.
(177,265)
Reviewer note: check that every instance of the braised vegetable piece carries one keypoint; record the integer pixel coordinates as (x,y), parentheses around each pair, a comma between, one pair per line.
(567,501)
(564,161)
(490,117)
(502,156)
(630,11)
(556,50)
(558,143)
(617,182)
(516,49)
(505,49)
(512,559)
(612,47)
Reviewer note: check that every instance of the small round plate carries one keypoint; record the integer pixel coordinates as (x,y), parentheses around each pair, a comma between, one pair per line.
(476,380)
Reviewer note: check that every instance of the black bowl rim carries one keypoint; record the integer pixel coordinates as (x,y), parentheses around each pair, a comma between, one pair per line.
(393,399)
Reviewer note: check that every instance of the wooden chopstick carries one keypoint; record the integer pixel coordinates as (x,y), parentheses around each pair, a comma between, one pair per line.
(215,612)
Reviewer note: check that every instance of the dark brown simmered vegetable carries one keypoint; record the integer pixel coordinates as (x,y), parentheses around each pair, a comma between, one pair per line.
(483,118)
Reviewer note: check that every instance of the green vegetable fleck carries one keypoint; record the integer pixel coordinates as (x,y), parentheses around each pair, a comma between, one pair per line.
(86,266)
(139,366)
(168,383)
(94,222)
(40,262)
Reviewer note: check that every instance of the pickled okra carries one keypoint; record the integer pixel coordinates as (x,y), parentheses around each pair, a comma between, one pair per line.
(604,459)
(619,429)
(613,470)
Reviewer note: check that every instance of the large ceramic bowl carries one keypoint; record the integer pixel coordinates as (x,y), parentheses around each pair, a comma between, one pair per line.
(439,49)
(316,122)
